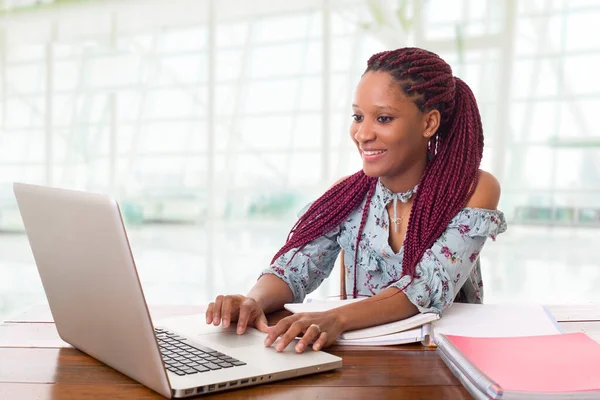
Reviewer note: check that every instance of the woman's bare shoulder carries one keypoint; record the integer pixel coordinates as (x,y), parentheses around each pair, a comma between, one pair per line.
(487,192)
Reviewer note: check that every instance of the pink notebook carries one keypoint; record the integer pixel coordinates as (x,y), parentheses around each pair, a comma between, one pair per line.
(544,364)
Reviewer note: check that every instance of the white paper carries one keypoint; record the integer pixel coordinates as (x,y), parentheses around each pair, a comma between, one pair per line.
(495,320)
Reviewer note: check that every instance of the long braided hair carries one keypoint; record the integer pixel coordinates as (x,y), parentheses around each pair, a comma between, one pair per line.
(449,178)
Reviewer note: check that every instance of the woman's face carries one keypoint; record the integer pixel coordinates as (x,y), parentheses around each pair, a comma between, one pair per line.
(389,130)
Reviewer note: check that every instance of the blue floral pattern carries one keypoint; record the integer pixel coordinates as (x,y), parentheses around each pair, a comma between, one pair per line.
(448,271)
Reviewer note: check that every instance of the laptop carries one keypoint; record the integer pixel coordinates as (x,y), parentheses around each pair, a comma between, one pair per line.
(82,252)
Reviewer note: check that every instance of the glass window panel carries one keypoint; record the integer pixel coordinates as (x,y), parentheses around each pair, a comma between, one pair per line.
(310,95)
(183,69)
(340,130)
(305,169)
(440,32)
(577,119)
(269,96)
(194,171)
(222,135)
(533,122)
(198,139)
(164,137)
(487,159)
(226,97)
(579,34)
(343,162)
(137,42)
(489,121)
(27,78)
(114,70)
(276,61)
(530,168)
(289,27)
(369,45)
(158,171)
(306,132)
(577,4)
(86,25)
(73,176)
(34,146)
(232,33)
(67,75)
(261,170)
(471,74)
(62,107)
(343,53)
(344,20)
(478,9)
(539,35)
(27,111)
(442,11)
(535,78)
(342,88)
(183,39)
(34,174)
(264,133)
(569,168)
(92,108)
(580,73)
(170,103)
(314,53)
(228,64)
(537,6)
(128,105)
(15,145)
(16,52)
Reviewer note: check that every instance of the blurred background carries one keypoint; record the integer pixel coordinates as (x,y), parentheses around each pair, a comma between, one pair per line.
(214,122)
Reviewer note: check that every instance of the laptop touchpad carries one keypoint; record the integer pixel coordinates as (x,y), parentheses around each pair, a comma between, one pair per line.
(228,338)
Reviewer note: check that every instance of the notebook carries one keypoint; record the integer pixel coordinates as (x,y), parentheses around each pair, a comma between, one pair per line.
(459,319)
(527,367)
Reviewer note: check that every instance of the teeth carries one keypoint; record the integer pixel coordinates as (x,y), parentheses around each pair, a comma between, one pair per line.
(372,153)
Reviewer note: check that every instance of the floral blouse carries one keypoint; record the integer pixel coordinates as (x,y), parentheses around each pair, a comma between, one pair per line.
(448,271)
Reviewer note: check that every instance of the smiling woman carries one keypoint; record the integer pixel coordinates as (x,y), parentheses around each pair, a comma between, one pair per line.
(418,131)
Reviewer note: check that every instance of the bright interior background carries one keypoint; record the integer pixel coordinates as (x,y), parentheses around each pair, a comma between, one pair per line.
(214,122)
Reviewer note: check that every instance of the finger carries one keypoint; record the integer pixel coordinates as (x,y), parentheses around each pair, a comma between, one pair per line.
(209,313)
(295,329)
(281,327)
(261,323)
(226,311)
(245,312)
(321,342)
(312,333)
(217,311)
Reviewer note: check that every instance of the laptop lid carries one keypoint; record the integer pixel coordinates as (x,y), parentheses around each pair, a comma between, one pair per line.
(90,279)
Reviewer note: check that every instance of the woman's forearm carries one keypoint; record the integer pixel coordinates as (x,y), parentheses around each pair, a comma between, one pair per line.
(387,306)
(271,293)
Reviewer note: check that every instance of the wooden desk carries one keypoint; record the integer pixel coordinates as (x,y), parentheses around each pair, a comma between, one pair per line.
(36,364)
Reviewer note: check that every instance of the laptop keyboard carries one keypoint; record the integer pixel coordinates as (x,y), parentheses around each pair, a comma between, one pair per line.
(184,358)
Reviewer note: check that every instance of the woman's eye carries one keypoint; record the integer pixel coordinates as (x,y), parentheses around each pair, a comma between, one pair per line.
(384,120)
(357,117)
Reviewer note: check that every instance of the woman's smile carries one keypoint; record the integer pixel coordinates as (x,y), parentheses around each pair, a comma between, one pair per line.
(372,155)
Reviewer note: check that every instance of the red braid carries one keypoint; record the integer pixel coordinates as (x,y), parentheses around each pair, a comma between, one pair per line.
(328,211)
(448,180)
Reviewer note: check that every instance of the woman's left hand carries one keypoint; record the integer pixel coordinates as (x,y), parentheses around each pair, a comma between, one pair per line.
(320,328)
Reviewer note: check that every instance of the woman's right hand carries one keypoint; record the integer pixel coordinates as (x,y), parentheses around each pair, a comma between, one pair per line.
(232,308)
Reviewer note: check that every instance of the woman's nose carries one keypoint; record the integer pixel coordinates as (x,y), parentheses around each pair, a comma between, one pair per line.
(364,133)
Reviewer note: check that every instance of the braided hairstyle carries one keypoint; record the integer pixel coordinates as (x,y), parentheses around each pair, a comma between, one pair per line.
(449,178)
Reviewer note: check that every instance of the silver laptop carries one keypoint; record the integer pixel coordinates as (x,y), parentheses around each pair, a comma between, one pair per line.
(87,269)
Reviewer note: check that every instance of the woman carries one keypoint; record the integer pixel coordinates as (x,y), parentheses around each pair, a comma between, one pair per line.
(411,223)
